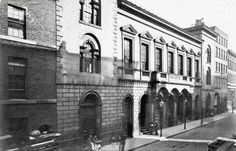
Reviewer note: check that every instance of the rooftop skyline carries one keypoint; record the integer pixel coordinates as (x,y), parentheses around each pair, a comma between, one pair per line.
(183,13)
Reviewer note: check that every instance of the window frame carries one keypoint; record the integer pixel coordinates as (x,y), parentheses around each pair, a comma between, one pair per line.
(180,72)
(170,69)
(209,53)
(158,67)
(93,5)
(16,21)
(208,76)
(13,60)
(197,72)
(96,63)
(131,65)
(189,67)
(147,59)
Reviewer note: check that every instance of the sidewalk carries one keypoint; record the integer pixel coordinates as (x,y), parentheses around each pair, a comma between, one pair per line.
(143,140)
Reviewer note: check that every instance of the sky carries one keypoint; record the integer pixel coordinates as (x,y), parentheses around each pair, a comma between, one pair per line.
(183,13)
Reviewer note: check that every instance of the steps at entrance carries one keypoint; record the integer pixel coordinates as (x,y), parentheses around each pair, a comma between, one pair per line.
(145,131)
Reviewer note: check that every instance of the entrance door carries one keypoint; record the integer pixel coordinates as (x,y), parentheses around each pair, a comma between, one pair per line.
(90,120)
(180,109)
(170,111)
(90,111)
(128,116)
(144,111)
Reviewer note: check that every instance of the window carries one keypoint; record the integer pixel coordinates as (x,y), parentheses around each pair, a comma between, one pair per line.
(144,58)
(216,51)
(158,59)
(209,54)
(189,67)
(90,11)
(221,66)
(128,53)
(16,22)
(90,58)
(197,69)
(216,66)
(208,77)
(170,62)
(17,77)
(181,64)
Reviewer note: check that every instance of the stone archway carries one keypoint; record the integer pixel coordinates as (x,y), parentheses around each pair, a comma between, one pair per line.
(197,111)
(144,115)
(180,109)
(162,95)
(175,93)
(208,105)
(90,114)
(217,103)
(189,107)
(170,110)
(127,121)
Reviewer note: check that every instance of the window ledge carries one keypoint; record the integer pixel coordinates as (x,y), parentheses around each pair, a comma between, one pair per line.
(25,101)
(29,42)
(92,25)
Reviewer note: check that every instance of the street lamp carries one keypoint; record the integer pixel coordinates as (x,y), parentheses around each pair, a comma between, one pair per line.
(185,102)
(161,115)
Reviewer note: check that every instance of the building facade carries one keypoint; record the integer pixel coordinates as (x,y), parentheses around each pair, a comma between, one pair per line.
(116,63)
(214,67)
(231,79)
(27,66)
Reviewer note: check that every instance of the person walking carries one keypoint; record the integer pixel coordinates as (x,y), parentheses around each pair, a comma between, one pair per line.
(122,137)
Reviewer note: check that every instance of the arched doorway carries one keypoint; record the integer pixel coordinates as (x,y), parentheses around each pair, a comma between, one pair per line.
(175,93)
(162,96)
(208,105)
(144,111)
(217,103)
(90,113)
(189,107)
(180,109)
(197,107)
(127,122)
(170,110)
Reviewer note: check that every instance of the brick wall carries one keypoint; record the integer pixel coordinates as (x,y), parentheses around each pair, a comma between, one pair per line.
(40,19)
(46,114)
(68,107)
(41,71)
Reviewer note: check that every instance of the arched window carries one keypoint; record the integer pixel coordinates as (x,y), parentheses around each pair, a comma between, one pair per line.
(90,57)
(208,54)
(208,76)
(90,11)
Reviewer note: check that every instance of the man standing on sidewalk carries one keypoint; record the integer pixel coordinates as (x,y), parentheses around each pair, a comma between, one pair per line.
(122,138)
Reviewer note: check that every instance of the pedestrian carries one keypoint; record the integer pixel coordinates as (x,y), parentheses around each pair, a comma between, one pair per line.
(156,124)
(122,137)
(122,142)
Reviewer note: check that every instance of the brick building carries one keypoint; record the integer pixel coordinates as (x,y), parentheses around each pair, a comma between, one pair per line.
(27,66)
(115,59)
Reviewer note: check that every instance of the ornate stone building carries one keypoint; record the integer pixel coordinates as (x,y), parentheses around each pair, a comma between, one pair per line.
(115,59)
